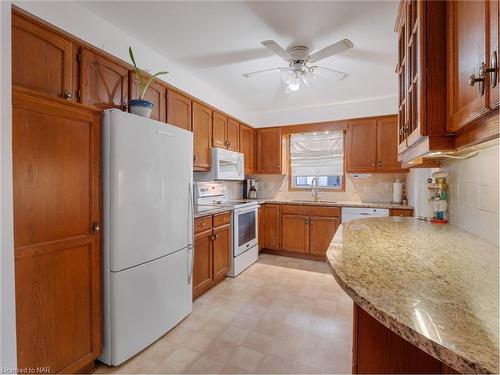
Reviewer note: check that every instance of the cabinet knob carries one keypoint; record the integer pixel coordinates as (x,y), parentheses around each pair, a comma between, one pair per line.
(482,73)
(95,227)
(67,94)
(305,221)
(379,163)
(373,164)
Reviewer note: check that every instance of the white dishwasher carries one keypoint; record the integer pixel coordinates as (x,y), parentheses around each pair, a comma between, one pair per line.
(352,213)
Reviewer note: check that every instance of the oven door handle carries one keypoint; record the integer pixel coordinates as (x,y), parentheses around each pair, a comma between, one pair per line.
(245,209)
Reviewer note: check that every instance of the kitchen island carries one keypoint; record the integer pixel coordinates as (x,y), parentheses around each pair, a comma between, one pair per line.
(425,296)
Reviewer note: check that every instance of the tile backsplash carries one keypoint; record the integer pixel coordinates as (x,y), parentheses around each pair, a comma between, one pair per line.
(474,192)
(376,188)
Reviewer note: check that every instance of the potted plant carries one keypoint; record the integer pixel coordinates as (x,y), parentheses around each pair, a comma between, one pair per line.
(140,106)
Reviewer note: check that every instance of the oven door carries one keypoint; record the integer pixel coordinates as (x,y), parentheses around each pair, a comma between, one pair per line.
(245,229)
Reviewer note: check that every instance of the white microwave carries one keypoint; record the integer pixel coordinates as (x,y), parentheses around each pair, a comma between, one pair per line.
(227,165)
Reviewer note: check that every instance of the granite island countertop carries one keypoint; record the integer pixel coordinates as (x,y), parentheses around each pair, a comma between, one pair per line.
(436,286)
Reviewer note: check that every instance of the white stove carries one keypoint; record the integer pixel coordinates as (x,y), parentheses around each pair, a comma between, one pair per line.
(244,222)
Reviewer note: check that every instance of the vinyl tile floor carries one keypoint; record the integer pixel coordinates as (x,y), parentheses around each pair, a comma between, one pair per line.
(281,316)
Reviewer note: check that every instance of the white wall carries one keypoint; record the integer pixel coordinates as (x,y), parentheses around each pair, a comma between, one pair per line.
(337,111)
(82,23)
(474,193)
(7,299)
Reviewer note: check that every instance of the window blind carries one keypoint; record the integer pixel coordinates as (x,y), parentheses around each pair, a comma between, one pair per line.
(317,154)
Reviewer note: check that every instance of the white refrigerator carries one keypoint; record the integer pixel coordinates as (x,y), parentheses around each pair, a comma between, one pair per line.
(148,231)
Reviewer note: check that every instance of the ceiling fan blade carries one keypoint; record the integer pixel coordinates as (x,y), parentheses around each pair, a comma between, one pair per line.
(276,48)
(329,72)
(338,47)
(252,74)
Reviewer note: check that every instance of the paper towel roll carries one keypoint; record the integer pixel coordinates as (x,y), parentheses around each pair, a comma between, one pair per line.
(397,192)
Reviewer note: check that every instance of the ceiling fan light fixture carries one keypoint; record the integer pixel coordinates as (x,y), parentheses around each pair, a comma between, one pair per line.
(287,76)
(294,85)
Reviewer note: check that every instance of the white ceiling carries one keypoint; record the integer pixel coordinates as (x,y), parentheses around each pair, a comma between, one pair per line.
(219,41)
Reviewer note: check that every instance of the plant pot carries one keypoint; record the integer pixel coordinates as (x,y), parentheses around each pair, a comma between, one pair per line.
(140,107)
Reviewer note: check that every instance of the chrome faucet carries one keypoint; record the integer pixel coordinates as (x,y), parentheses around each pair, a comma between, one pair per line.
(315,188)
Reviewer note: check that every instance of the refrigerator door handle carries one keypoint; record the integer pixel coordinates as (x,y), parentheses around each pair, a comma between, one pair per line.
(191,231)
(191,214)
(191,263)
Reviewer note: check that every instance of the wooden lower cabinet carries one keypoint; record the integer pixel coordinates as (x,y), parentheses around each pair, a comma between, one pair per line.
(221,252)
(269,227)
(212,251)
(321,232)
(303,231)
(57,200)
(378,350)
(408,212)
(294,233)
(202,267)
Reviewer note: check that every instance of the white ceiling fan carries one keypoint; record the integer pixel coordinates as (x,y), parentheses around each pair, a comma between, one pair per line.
(298,58)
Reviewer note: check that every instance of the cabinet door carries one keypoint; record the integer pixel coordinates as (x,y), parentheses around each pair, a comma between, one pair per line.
(262,226)
(219,130)
(56,182)
(104,83)
(494,16)
(269,150)
(362,145)
(233,135)
(202,266)
(295,233)
(247,142)
(273,227)
(387,144)
(322,230)
(41,60)
(156,94)
(202,137)
(466,38)
(222,252)
(178,110)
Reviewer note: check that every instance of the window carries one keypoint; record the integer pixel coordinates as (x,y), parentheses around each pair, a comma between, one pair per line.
(320,155)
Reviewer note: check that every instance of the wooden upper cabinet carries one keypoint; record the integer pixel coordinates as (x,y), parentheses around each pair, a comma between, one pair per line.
(56,181)
(233,135)
(362,145)
(295,233)
(226,132)
(202,137)
(321,232)
(387,144)
(269,151)
(156,94)
(104,83)
(41,59)
(178,110)
(219,133)
(494,16)
(247,147)
(466,51)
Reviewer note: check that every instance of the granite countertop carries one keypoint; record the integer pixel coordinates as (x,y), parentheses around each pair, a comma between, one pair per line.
(434,285)
(335,203)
